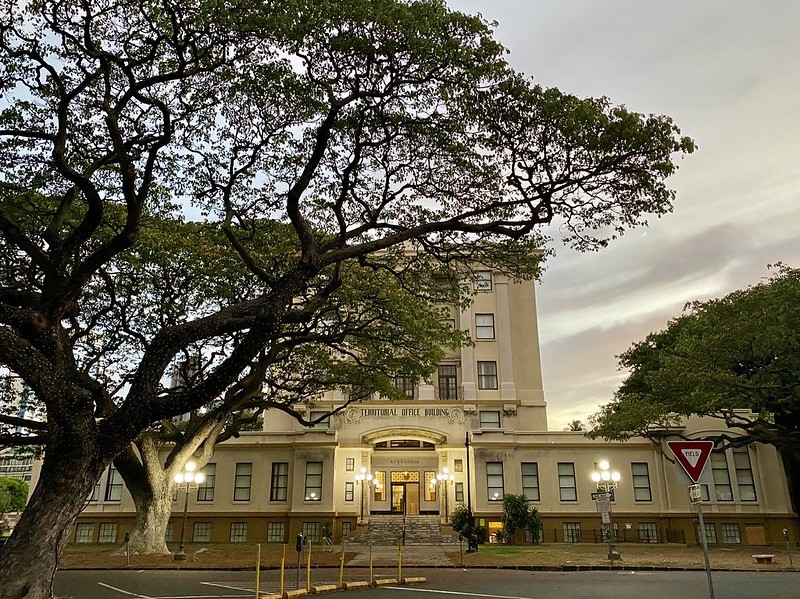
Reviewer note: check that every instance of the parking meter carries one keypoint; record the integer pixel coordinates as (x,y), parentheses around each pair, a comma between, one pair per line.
(301,540)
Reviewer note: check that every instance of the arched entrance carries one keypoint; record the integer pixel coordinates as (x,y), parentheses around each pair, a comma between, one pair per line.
(404,461)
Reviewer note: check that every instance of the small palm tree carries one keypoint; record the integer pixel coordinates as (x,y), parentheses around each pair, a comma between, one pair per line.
(575,426)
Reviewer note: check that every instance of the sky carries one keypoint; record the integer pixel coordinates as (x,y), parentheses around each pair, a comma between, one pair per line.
(728,73)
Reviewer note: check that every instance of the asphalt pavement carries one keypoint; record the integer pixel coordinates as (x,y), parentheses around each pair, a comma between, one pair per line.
(457,583)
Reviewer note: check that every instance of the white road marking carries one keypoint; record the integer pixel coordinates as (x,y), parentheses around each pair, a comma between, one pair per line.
(456,593)
(108,586)
(227,586)
(140,596)
(250,594)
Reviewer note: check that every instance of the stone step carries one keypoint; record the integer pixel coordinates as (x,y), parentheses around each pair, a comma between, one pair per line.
(388,530)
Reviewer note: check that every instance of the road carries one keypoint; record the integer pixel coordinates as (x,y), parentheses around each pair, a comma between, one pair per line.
(452,583)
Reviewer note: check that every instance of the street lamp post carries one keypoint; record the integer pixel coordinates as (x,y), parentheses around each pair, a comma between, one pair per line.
(606,481)
(364,480)
(187,481)
(442,479)
(472,543)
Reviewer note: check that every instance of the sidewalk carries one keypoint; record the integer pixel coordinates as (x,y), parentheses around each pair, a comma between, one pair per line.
(382,555)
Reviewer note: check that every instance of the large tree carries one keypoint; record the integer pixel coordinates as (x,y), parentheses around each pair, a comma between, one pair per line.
(736,359)
(371,330)
(381,134)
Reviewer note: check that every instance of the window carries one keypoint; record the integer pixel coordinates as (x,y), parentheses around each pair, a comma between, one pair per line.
(349,491)
(711,532)
(84,532)
(430,482)
(566,482)
(648,533)
(238,532)
(487,375)
(379,488)
(448,382)
(641,482)
(312,531)
(280,481)
(572,532)
(350,464)
(460,492)
(113,485)
(313,481)
(347,528)
(610,535)
(241,483)
(95,494)
(201,532)
(205,491)
(458,465)
(484,326)
(276,532)
(108,532)
(494,481)
(744,474)
(721,476)
(483,280)
(405,384)
(730,534)
(490,419)
(168,534)
(530,480)
(324,423)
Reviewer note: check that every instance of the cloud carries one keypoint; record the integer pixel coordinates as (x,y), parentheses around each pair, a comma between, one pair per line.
(727,72)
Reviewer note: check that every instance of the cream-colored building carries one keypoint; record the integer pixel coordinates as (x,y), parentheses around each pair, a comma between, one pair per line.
(481,424)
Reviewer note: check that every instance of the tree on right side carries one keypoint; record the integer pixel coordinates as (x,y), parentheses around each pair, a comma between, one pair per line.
(736,359)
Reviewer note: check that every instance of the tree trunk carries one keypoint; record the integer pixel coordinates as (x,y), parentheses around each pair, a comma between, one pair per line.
(29,559)
(791,466)
(153,510)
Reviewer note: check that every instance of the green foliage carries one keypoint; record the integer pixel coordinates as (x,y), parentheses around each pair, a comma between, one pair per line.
(460,520)
(13,494)
(519,514)
(336,159)
(736,358)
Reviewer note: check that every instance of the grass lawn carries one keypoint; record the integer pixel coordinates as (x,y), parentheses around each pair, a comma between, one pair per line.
(242,555)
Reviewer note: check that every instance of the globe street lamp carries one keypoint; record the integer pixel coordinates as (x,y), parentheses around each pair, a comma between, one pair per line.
(606,481)
(187,481)
(442,479)
(364,480)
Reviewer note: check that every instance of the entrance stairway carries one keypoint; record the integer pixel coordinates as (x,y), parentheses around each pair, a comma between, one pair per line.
(411,530)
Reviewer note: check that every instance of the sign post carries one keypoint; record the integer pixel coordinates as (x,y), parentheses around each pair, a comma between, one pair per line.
(693,457)
(602,502)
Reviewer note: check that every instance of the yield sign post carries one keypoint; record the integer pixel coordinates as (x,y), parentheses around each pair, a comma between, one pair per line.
(692,456)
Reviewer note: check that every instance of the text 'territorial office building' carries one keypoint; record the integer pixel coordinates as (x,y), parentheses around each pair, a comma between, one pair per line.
(482,423)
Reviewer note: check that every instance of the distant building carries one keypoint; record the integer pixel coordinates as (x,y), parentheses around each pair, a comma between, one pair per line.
(267,486)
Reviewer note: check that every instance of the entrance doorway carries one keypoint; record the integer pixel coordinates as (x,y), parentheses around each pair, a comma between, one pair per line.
(405,498)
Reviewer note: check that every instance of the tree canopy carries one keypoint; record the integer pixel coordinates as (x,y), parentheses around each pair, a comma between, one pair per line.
(13,494)
(736,358)
(314,140)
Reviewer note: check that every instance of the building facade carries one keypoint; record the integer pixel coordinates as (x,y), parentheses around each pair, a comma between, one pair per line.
(476,431)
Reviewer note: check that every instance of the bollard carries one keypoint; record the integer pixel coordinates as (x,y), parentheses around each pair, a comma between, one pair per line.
(341,568)
(371,579)
(308,567)
(258,571)
(399,562)
(283,564)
